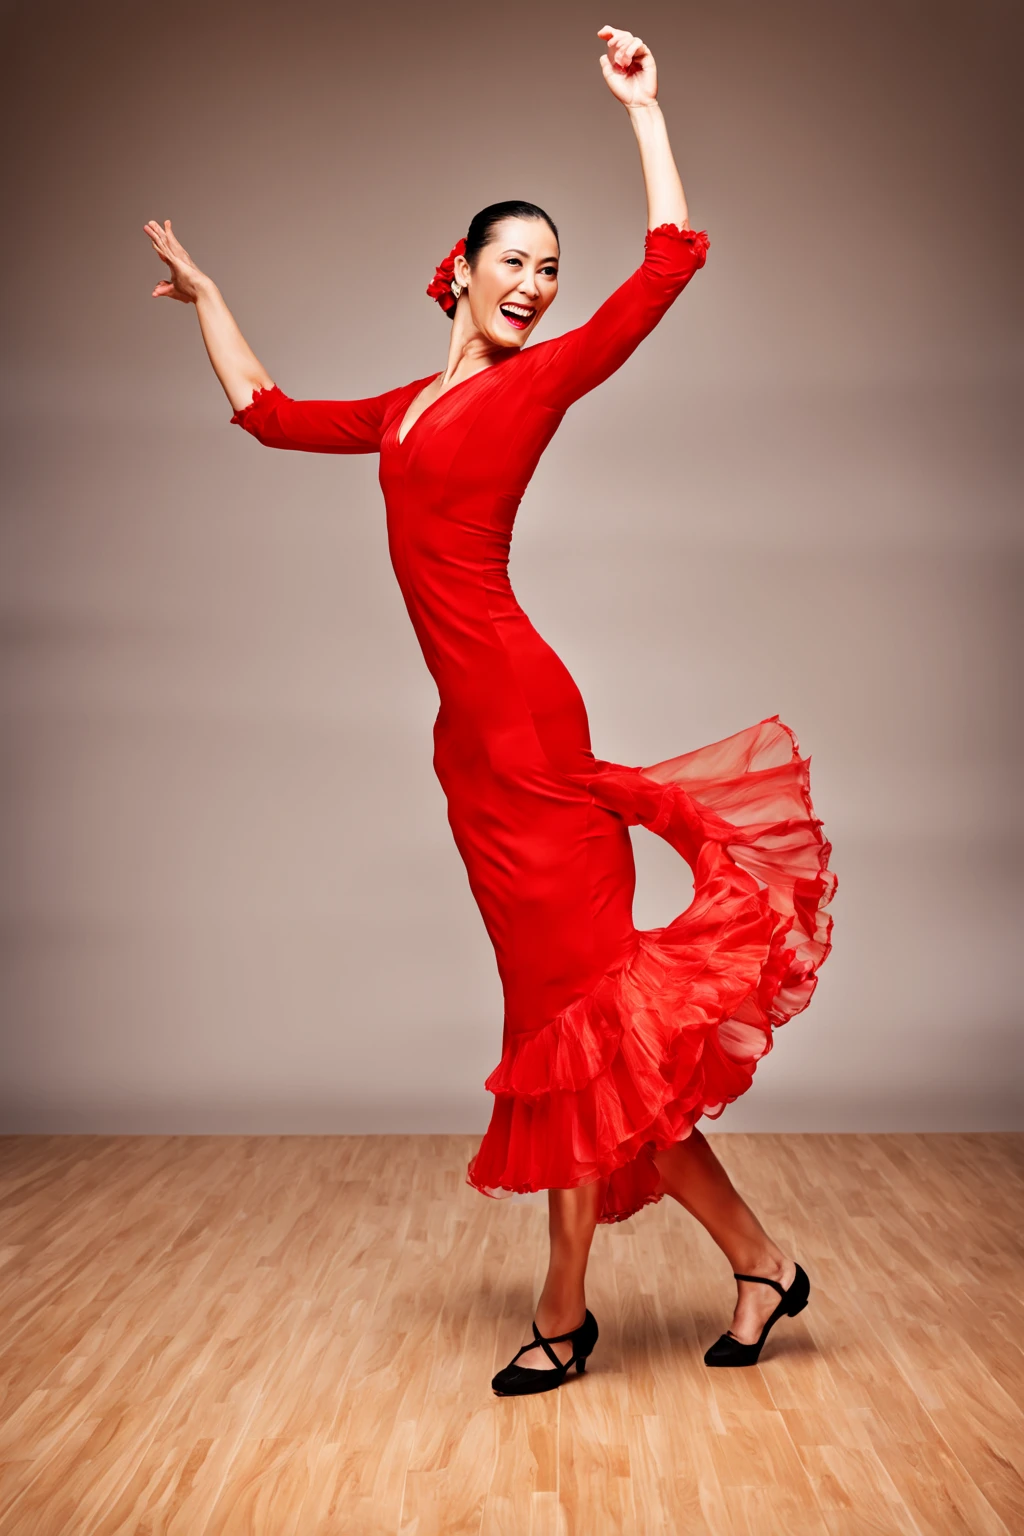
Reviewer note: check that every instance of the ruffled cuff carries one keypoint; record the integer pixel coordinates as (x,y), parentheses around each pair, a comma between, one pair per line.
(695,241)
(262,397)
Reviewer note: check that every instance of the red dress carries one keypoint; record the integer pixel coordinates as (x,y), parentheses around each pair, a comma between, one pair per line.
(615,1039)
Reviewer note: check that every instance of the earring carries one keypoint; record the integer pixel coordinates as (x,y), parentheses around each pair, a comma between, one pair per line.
(457,288)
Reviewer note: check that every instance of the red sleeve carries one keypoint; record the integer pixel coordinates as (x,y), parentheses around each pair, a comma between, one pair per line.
(315,426)
(583,358)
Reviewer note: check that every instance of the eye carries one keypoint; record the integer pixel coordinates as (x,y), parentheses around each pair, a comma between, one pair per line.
(515,262)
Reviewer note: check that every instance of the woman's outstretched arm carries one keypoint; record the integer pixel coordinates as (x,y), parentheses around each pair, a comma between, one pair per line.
(260,407)
(632,77)
(234,362)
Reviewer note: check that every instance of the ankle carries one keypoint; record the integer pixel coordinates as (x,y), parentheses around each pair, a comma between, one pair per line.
(768,1261)
(561,1318)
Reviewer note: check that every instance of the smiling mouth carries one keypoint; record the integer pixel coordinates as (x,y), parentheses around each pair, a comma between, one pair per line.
(517,315)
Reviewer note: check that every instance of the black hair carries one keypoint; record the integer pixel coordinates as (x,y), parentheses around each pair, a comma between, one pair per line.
(483,224)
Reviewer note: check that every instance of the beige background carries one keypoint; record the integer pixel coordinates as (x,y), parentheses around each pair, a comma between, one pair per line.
(230,898)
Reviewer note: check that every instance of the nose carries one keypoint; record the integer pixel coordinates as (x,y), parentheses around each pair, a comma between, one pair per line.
(528,288)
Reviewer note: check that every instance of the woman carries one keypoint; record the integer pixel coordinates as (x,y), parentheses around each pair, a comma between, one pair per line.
(615,1040)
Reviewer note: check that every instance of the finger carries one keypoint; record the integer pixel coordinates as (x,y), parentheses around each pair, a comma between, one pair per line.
(169,243)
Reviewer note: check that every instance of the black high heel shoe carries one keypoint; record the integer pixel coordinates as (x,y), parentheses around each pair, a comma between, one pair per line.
(516,1380)
(732,1351)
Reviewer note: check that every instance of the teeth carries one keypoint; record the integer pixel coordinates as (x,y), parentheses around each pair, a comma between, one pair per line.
(517,309)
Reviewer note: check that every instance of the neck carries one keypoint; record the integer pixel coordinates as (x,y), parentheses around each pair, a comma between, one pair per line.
(469,349)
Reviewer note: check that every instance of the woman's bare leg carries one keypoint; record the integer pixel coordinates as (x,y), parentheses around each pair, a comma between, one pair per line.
(692,1174)
(572,1217)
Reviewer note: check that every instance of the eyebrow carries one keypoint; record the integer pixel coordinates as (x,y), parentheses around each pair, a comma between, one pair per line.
(513,250)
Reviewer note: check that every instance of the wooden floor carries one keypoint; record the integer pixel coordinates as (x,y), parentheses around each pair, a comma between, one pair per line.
(292,1336)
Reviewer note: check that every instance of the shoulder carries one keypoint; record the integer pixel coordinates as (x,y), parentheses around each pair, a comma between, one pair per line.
(414,384)
(403,391)
(540,355)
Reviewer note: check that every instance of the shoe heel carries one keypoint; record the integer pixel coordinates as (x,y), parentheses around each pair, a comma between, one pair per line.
(581,1365)
(802,1289)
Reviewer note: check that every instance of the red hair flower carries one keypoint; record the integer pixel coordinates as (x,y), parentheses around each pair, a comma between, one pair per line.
(440,286)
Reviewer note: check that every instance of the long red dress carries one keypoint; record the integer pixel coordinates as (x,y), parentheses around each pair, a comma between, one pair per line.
(615,1039)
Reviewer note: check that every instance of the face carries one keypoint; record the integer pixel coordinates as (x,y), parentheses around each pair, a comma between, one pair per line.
(513,282)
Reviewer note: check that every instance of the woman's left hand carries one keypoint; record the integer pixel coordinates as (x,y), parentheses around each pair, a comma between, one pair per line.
(629,69)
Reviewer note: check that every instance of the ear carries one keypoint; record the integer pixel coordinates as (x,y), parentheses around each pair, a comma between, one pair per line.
(462,271)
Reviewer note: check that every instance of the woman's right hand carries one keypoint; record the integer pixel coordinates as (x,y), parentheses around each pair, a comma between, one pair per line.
(628,67)
(186,280)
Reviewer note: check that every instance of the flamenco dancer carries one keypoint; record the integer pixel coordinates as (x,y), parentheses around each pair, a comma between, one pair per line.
(616,1040)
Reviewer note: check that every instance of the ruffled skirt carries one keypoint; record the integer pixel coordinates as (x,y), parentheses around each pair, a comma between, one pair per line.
(676,1031)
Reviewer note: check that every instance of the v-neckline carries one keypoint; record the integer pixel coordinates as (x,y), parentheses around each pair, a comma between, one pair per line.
(401,441)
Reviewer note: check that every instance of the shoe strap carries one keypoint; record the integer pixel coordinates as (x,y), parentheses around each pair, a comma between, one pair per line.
(560,1338)
(546,1344)
(763,1279)
(548,1351)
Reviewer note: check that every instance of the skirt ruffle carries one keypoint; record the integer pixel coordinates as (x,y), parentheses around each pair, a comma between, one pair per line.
(675,1032)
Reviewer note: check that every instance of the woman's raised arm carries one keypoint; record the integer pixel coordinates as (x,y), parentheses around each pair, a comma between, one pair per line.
(570,365)
(632,77)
